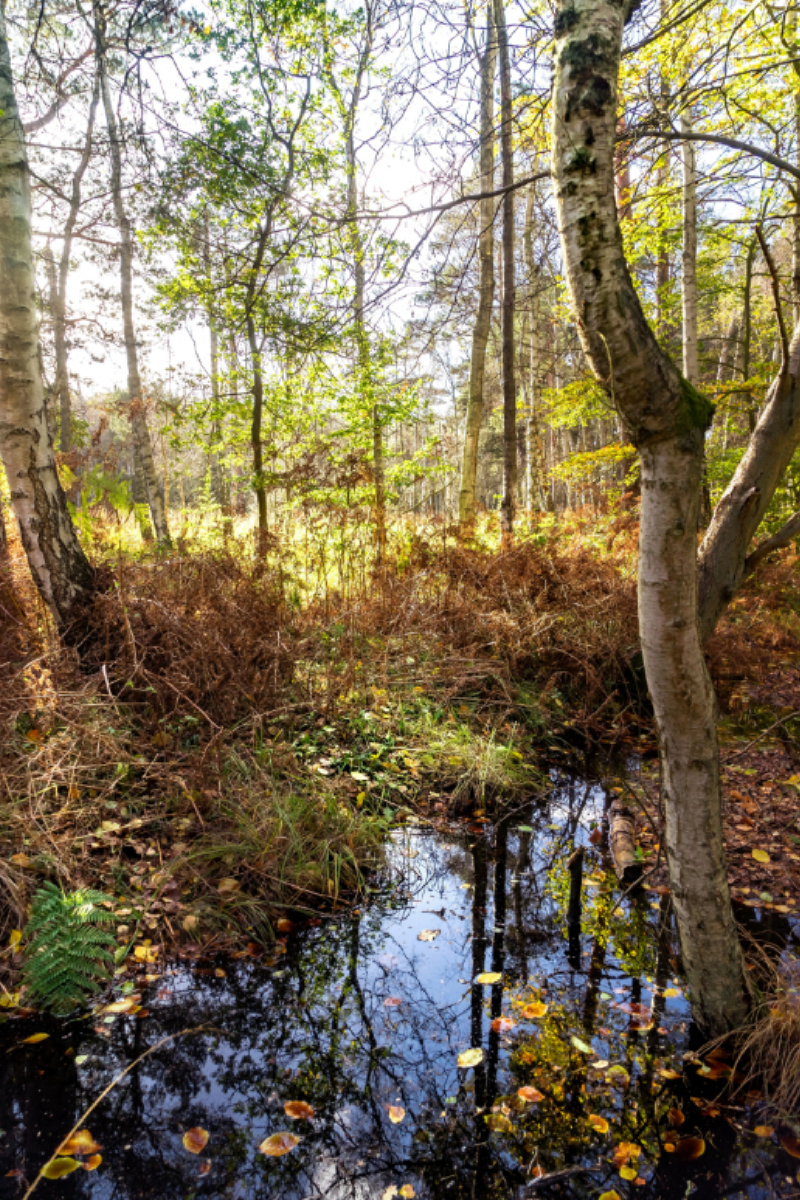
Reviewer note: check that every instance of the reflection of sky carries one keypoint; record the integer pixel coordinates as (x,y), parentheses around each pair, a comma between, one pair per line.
(316,1027)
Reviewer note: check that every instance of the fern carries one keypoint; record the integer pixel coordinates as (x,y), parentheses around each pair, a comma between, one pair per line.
(68,952)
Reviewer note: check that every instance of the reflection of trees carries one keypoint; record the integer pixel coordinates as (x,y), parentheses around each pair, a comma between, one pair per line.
(316,1027)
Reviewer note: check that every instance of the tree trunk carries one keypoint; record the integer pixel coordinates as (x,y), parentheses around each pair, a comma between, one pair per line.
(535,489)
(509,501)
(218,489)
(143,447)
(483,319)
(256,435)
(59,567)
(665,418)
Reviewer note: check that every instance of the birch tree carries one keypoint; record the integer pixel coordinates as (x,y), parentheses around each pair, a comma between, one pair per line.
(59,567)
(665,418)
(509,501)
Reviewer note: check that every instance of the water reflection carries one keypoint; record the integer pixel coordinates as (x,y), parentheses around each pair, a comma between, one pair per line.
(323,1024)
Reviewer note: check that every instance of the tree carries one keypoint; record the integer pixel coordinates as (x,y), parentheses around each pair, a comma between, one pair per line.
(666,418)
(59,567)
(509,501)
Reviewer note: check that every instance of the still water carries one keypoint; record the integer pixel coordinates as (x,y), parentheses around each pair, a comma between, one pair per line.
(363,1019)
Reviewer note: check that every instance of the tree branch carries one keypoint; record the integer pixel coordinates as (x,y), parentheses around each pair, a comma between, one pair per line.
(785,534)
(776,292)
(674,135)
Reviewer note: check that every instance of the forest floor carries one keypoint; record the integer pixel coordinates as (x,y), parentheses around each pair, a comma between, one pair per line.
(225,763)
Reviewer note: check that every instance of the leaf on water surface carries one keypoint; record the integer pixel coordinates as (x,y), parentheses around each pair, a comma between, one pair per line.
(707,1107)
(396,1113)
(195,1140)
(390,1193)
(498,1122)
(668,1073)
(532,1011)
(670,993)
(392,1002)
(600,1065)
(790,1144)
(675,1118)
(205,1167)
(598,1123)
(34,1038)
(279,1143)
(147,953)
(128,1005)
(531,1094)
(502,1024)
(628,1173)
(489,977)
(579,1044)
(57,1168)
(689,1148)
(524,829)
(624,1152)
(286,926)
(470,1058)
(764,1131)
(618,1073)
(81,1142)
(298,1110)
(92,1163)
(612,1195)
(407,1192)
(428,935)
(761,856)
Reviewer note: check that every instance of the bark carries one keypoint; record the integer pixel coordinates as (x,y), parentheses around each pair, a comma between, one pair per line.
(483,318)
(622,836)
(665,418)
(727,358)
(509,501)
(142,444)
(58,565)
(689,258)
(791,43)
(662,180)
(218,488)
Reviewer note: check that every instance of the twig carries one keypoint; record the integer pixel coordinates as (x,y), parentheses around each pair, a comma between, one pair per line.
(776,292)
(169,1038)
(544,1181)
(763,733)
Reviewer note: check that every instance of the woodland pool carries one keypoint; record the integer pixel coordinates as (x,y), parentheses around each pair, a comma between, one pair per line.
(363,1020)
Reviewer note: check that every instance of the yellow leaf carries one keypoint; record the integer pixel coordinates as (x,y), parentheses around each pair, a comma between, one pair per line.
(470,1058)
(228,887)
(190,923)
(489,977)
(34,1038)
(761,856)
(407,1192)
(598,1123)
(21,860)
(129,1005)
(145,953)
(670,992)
(57,1168)
(298,1110)
(279,1143)
(532,1011)
(195,1140)
(498,1122)
(628,1172)
(612,1195)
(81,1142)
(396,1114)
(15,938)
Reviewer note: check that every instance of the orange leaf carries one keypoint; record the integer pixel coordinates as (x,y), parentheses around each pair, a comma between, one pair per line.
(531,1094)
(675,1118)
(392,1002)
(790,1144)
(286,926)
(195,1140)
(532,1011)
(92,1163)
(502,1024)
(279,1143)
(81,1142)
(396,1114)
(298,1110)
(600,1124)
(689,1148)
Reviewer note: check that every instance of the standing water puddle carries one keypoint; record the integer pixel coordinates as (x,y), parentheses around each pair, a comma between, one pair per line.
(364,1019)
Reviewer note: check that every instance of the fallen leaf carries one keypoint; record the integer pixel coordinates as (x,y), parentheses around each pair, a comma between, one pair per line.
(689,1148)
(532,1011)
(396,1114)
(278,1143)
(390,1193)
(598,1123)
(470,1058)
(489,977)
(204,1168)
(761,856)
(763,1131)
(190,923)
(502,1024)
(428,935)
(612,1195)
(668,1073)
(298,1110)
(22,860)
(81,1142)
(146,953)
(195,1140)
(15,938)
(57,1168)
(580,1045)
(671,992)
(34,1038)
(628,1173)
(286,926)
(498,1122)
(407,1192)
(228,887)
(92,1163)
(128,1005)
(624,1152)
(392,1002)
(531,1094)
(675,1118)
(790,1144)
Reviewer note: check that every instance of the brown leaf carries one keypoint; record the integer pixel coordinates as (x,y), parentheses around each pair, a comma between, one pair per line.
(790,1144)
(195,1140)
(298,1110)
(279,1143)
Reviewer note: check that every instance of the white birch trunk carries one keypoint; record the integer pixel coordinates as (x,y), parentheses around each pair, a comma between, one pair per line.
(58,565)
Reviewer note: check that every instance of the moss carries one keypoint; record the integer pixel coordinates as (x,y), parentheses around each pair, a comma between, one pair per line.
(695,411)
(565,20)
(581,163)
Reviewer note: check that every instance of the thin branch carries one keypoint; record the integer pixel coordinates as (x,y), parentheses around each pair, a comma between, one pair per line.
(776,292)
(673,135)
(786,534)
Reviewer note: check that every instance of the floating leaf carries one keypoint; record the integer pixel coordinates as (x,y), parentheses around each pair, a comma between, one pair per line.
(286,926)
(598,1123)
(675,1118)
(57,1168)
(763,1131)
(128,1005)
(532,1012)
(580,1045)
(390,1193)
(689,1148)
(624,1152)
(470,1058)
(195,1140)
(612,1195)
(278,1143)
(92,1163)
(524,829)
(531,1094)
(81,1142)
(34,1038)
(671,992)
(502,1024)
(146,953)
(298,1110)
(628,1173)
(498,1122)
(392,1002)
(428,935)
(790,1144)
(668,1073)
(396,1114)
(761,856)
(618,1074)
(407,1192)
(489,977)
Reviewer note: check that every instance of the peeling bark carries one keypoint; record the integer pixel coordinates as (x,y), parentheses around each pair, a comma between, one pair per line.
(665,418)
(59,567)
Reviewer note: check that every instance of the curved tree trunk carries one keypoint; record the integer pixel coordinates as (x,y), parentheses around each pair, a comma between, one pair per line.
(58,565)
(665,418)
(483,320)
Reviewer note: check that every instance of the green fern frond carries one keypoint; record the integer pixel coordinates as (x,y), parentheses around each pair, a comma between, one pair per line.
(69,952)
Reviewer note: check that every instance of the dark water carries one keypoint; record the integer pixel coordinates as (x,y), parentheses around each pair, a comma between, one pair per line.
(315,1026)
